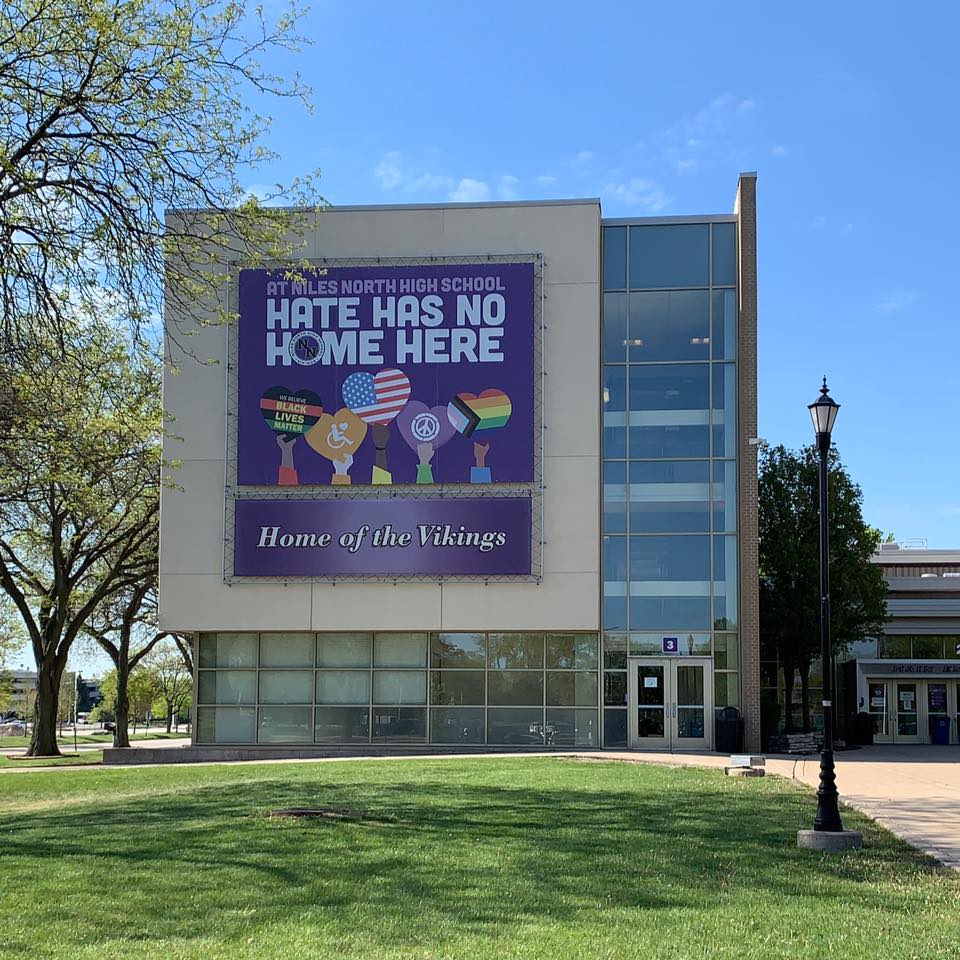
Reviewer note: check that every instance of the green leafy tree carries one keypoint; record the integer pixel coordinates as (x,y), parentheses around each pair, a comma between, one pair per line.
(141,693)
(79,495)
(790,570)
(173,683)
(111,113)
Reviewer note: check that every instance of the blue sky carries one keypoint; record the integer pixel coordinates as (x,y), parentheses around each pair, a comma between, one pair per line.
(846,111)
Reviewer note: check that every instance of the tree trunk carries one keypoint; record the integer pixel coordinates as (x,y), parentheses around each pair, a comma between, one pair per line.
(805,695)
(169,715)
(43,740)
(788,671)
(121,712)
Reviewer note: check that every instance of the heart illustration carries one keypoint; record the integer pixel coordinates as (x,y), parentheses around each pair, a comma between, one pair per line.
(419,423)
(290,412)
(376,398)
(469,413)
(338,436)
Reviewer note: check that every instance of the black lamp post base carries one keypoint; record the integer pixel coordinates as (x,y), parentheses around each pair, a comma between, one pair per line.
(829,841)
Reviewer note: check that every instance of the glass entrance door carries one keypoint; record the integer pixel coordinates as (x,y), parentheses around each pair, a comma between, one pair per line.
(671,703)
(877,691)
(906,724)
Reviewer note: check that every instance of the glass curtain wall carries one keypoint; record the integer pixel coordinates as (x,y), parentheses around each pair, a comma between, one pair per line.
(539,689)
(669,405)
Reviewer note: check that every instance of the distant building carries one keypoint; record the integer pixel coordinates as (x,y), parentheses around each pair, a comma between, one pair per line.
(24,691)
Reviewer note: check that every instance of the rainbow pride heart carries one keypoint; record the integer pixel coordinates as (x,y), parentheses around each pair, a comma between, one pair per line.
(376,398)
(290,412)
(419,423)
(469,413)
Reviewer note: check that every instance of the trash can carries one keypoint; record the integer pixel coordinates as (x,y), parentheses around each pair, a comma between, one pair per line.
(940,730)
(863,725)
(729,728)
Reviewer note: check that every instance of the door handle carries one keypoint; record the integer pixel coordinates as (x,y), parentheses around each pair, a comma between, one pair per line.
(673,710)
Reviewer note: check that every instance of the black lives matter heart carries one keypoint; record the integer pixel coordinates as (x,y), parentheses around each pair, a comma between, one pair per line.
(290,412)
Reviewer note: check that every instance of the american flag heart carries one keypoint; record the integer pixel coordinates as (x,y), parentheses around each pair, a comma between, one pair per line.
(376,398)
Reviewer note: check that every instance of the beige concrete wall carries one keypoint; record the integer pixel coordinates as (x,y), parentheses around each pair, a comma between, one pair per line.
(193,595)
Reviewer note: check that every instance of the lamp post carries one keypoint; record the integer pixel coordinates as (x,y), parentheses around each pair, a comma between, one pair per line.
(828,832)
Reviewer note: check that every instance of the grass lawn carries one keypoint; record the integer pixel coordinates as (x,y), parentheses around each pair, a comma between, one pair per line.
(66,741)
(505,858)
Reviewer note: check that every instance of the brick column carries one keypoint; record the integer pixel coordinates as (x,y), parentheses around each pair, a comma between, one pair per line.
(746,210)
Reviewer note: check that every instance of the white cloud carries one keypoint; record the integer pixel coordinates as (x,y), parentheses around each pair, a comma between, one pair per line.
(545,180)
(688,165)
(819,222)
(584,156)
(638,192)
(389,171)
(469,190)
(896,302)
(698,141)
(745,106)
(507,187)
(779,150)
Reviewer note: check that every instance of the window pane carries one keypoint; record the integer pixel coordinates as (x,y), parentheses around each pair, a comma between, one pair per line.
(614,397)
(724,253)
(227,686)
(572,728)
(400,650)
(724,410)
(669,387)
(343,650)
(343,686)
(682,559)
(286,725)
(726,651)
(670,613)
(670,496)
(523,726)
(614,728)
(615,608)
(725,496)
(614,258)
(690,644)
(515,688)
(286,686)
(457,687)
(614,651)
(456,724)
(226,724)
(614,327)
(399,686)
(927,648)
(572,651)
(725,583)
(615,497)
(516,651)
(342,725)
(670,255)
(615,689)
(399,723)
(458,650)
(726,690)
(573,688)
(670,440)
(615,559)
(286,649)
(723,335)
(669,326)
(228,649)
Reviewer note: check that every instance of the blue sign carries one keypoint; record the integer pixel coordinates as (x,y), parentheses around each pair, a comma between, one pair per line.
(671,644)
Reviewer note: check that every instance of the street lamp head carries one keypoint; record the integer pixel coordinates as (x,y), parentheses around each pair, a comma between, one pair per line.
(823,412)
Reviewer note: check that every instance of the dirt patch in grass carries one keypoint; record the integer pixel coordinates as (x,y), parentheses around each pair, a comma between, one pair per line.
(330,814)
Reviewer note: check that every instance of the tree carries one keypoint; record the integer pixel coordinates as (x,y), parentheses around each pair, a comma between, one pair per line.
(125,629)
(141,692)
(79,494)
(790,571)
(111,112)
(174,684)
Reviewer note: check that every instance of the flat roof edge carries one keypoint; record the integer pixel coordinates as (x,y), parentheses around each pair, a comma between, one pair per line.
(450,205)
(651,221)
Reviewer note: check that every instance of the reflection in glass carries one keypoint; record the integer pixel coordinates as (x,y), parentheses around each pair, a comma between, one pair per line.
(456,724)
(515,726)
(456,687)
(724,410)
(615,559)
(399,686)
(725,496)
(650,689)
(569,651)
(343,650)
(515,687)
(226,724)
(670,439)
(285,725)
(614,327)
(672,325)
(669,613)
(516,651)
(665,558)
(650,722)
(614,398)
(228,649)
(227,686)
(286,686)
(571,688)
(614,258)
(343,686)
(723,337)
(458,650)
(725,613)
(670,255)
(615,497)
(614,651)
(726,651)
(724,253)
(726,689)
(399,723)
(671,386)
(286,649)
(400,650)
(342,724)
(572,728)
(690,723)
(614,728)
(669,496)
(615,606)
(689,684)
(615,689)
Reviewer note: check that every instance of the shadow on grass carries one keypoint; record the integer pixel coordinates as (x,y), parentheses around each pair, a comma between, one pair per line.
(548,841)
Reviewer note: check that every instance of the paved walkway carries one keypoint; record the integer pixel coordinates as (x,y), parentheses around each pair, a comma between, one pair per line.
(912,791)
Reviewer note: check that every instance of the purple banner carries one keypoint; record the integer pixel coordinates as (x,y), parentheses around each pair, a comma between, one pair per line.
(412,537)
(387,375)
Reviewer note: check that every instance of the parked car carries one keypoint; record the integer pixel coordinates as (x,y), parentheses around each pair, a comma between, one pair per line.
(110,726)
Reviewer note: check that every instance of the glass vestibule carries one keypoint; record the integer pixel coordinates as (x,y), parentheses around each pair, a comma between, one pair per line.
(905,711)
(670,703)
(416,687)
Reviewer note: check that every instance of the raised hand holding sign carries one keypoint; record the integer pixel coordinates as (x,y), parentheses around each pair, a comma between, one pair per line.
(377,399)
